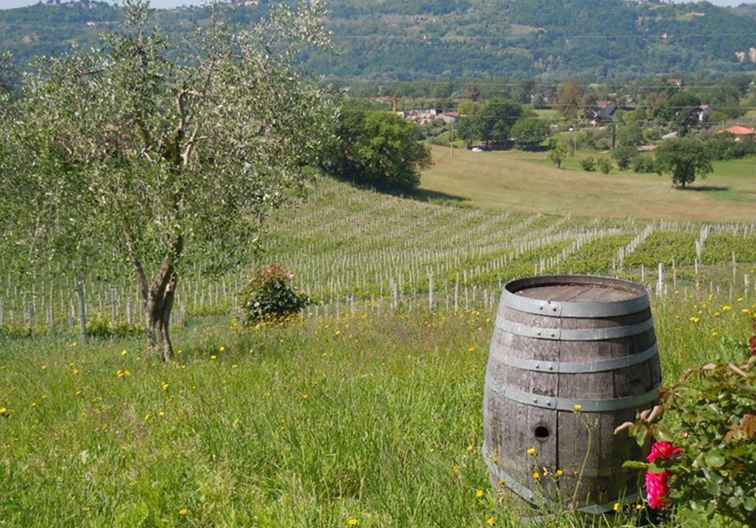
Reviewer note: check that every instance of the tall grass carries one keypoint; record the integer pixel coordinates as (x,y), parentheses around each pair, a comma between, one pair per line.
(374,420)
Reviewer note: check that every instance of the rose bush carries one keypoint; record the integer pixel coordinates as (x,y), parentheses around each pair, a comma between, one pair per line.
(704,432)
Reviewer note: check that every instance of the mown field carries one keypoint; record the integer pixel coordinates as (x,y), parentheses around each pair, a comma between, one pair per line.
(367,410)
(519,181)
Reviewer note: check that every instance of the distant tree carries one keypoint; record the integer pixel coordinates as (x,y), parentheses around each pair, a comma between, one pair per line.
(8,73)
(557,153)
(472,92)
(679,111)
(150,157)
(443,90)
(468,107)
(569,99)
(685,159)
(377,148)
(623,155)
(496,120)
(529,133)
(630,136)
(468,129)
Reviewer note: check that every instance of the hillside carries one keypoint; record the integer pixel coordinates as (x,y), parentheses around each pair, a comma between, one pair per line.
(408,39)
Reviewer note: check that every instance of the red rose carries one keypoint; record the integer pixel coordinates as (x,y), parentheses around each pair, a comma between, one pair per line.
(657,489)
(663,451)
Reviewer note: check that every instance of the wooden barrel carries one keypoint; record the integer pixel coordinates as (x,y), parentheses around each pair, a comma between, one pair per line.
(571,359)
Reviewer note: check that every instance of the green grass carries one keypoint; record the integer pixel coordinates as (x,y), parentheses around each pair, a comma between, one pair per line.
(528,182)
(375,418)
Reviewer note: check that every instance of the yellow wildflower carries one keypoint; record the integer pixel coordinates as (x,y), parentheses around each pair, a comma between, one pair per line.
(617,507)
(726,308)
(353,522)
(491,521)
(4,412)
(480,493)
(183,512)
(164,386)
(578,408)
(532,451)
(536,475)
(222,349)
(213,357)
(559,473)
(694,319)
(124,353)
(471,349)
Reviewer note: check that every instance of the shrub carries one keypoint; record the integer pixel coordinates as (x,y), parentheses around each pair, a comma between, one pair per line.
(643,164)
(624,155)
(269,295)
(604,165)
(724,147)
(706,428)
(588,164)
(101,327)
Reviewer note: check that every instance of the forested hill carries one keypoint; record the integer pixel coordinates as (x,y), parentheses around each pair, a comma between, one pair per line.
(409,39)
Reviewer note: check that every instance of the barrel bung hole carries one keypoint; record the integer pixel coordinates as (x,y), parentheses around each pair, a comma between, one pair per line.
(541,432)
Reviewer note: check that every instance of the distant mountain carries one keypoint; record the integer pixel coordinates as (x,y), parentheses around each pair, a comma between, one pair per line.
(410,39)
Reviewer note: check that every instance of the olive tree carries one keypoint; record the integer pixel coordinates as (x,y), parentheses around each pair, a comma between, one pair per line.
(150,154)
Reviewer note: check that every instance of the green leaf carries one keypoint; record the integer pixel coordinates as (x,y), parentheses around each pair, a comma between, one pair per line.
(715,459)
(636,465)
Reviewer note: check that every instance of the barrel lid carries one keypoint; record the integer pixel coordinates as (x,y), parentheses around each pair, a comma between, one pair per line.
(575,296)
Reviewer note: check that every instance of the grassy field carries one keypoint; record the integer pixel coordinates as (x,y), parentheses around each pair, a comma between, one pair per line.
(367,411)
(527,182)
(329,422)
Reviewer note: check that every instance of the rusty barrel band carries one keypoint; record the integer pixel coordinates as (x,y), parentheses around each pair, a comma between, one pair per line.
(587,334)
(560,367)
(539,500)
(520,303)
(569,404)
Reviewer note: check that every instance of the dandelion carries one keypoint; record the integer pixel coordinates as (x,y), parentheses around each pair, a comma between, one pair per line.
(578,408)
(480,493)
(353,522)
(222,349)
(617,507)
(536,475)
(183,512)
(491,521)
(338,333)
(559,473)
(4,412)
(471,349)
(164,386)
(532,451)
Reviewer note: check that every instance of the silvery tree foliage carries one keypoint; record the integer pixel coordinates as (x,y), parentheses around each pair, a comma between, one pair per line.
(147,155)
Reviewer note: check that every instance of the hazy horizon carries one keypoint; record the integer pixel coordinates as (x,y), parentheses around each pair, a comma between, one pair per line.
(10,4)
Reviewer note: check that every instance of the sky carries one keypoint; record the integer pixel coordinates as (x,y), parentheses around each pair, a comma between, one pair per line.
(7,4)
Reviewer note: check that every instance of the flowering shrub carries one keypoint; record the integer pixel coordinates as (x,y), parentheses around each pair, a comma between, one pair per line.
(270,296)
(704,455)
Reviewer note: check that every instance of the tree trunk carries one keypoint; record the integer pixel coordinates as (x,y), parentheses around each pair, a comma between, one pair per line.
(158,310)
(158,299)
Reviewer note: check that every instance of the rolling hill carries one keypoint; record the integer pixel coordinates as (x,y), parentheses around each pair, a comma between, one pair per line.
(411,39)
